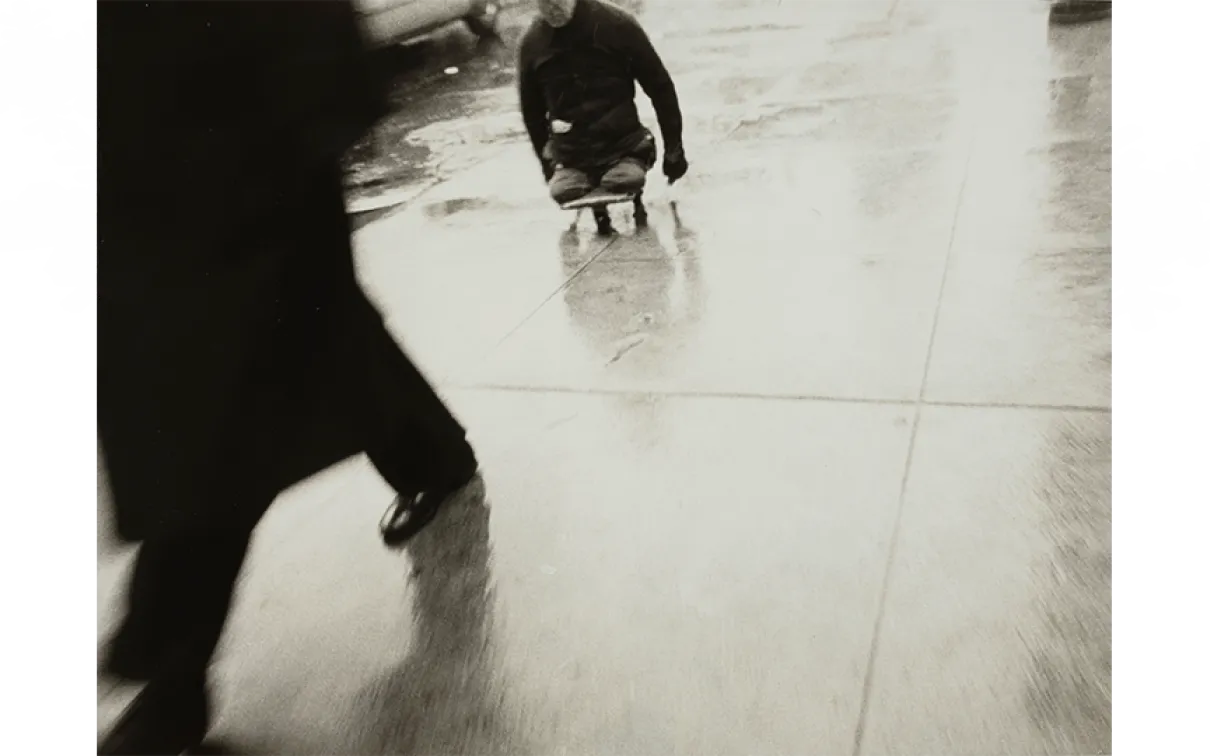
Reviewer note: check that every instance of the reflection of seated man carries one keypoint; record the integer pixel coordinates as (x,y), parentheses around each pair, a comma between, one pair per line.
(615,307)
(576,71)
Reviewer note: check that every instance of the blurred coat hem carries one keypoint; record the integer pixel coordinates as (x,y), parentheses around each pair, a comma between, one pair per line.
(237,352)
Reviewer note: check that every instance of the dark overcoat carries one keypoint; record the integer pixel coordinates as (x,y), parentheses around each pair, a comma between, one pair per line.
(237,352)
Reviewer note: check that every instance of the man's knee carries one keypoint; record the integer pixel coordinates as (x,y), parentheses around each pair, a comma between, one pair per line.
(568,184)
(627,176)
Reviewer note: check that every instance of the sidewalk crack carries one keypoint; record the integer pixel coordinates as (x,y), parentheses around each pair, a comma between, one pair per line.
(867,685)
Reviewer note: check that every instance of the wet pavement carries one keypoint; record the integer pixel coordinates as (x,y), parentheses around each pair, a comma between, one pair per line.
(454,106)
(819,463)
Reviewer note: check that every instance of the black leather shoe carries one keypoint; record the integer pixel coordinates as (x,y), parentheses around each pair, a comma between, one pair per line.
(406,517)
(165,718)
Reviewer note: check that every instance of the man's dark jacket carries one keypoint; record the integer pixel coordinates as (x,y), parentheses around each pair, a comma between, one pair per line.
(237,353)
(584,74)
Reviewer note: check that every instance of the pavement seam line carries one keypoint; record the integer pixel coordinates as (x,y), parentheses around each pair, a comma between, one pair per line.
(561,287)
(867,683)
(822,398)
(867,687)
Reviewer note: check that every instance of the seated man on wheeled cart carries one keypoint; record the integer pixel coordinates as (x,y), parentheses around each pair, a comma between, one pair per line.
(576,71)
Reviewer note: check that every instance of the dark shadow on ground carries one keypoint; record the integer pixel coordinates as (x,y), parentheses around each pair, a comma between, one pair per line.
(447,695)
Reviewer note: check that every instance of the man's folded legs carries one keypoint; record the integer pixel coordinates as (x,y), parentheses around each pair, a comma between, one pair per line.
(628,175)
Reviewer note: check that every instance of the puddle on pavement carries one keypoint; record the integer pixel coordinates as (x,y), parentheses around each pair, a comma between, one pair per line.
(440,123)
(446,208)
(419,148)
(777,121)
(892,121)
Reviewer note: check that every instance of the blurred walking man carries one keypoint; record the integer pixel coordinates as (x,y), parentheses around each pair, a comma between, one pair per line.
(238,354)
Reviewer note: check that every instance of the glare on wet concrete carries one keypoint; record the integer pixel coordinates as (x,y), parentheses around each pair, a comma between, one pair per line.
(482,255)
(729,508)
(788,326)
(632,606)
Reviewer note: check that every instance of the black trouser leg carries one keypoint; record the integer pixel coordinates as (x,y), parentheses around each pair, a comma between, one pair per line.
(415,443)
(179,597)
(413,461)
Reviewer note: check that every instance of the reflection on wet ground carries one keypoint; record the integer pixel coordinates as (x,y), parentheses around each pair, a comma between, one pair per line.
(655,282)
(818,462)
(454,206)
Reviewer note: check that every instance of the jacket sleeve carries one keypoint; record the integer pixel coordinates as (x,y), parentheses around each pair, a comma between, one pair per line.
(653,77)
(533,104)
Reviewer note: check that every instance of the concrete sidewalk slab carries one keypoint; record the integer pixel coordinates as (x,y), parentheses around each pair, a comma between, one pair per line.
(995,637)
(628,604)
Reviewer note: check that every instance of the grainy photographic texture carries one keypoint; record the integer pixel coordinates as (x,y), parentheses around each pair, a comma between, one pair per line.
(805,453)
